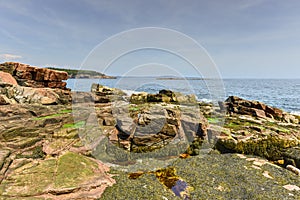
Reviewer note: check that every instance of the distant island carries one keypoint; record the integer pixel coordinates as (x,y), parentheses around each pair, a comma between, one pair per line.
(180,78)
(83,74)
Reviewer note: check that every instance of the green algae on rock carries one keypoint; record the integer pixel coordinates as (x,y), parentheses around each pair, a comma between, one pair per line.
(228,176)
(145,187)
(69,173)
(215,176)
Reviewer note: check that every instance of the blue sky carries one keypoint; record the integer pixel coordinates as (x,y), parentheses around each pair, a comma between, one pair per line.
(245,38)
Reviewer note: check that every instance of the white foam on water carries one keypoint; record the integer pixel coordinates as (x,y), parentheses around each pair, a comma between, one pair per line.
(204,100)
(295,113)
(130,92)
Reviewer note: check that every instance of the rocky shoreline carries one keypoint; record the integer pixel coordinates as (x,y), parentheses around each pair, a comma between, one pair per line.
(59,144)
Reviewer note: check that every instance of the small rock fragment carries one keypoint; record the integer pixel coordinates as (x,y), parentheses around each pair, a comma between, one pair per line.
(266,174)
(293,169)
(291,187)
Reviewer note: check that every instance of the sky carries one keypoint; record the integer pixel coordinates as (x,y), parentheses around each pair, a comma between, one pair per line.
(243,38)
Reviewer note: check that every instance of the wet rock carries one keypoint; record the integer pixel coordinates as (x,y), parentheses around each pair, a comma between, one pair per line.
(147,186)
(217,176)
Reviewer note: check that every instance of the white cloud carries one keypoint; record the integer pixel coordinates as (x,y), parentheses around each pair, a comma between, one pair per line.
(7,57)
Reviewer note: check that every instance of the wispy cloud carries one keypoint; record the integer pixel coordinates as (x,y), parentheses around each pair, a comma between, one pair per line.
(242,5)
(7,57)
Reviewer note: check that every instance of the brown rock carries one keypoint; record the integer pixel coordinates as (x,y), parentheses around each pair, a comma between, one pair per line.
(277,113)
(3,100)
(61,85)
(138,98)
(40,74)
(31,76)
(53,75)
(31,83)
(169,130)
(194,125)
(290,118)
(8,67)
(253,108)
(233,99)
(7,78)
(258,113)
(259,105)
(23,71)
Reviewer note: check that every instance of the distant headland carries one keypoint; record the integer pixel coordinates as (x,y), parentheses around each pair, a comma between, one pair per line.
(84,74)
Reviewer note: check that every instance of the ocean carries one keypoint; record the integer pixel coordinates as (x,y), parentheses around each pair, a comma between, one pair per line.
(280,93)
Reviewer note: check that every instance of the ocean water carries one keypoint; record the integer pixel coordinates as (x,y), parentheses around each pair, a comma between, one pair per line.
(280,93)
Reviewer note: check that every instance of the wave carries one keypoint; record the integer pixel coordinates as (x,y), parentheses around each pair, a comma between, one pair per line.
(204,100)
(295,113)
(130,92)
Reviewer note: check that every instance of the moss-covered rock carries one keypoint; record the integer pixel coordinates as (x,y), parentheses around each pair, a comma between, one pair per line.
(265,138)
(270,147)
(210,176)
(69,173)
(146,186)
(229,176)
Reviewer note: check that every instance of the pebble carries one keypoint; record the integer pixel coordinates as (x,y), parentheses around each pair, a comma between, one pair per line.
(293,169)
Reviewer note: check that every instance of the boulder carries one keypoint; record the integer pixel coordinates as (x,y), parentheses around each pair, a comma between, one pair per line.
(156,126)
(166,96)
(289,118)
(70,176)
(292,157)
(102,90)
(194,125)
(4,100)
(7,78)
(154,98)
(170,94)
(275,112)
(104,94)
(258,113)
(259,136)
(138,98)
(257,109)
(15,94)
